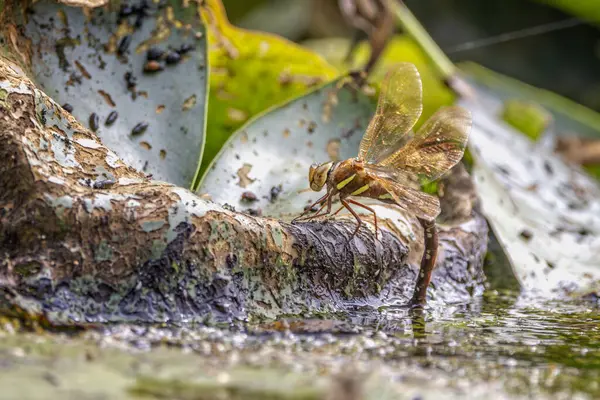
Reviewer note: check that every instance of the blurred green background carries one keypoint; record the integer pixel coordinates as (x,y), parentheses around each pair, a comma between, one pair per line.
(566,61)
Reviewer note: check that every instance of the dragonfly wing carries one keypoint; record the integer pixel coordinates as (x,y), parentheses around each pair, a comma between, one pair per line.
(436,147)
(398,185)
(398,109)
(414,201)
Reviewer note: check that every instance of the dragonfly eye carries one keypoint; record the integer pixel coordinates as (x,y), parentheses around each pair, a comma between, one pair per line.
(317,175)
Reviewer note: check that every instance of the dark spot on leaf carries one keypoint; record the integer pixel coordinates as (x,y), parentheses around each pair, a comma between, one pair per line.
(229,207)
(503,170)
(124,44)
(275,192)
(249,197)
(112,117)
(131,80)
(139,21)
(125,11)
(185,48)
(94,122)
(526,235)
(153,66)
(139,128)
(154,53)
(172,57)
(584,232)
(82,69)
(107,98)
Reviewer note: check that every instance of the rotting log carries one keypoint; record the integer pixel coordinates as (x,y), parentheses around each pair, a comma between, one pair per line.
(86,238)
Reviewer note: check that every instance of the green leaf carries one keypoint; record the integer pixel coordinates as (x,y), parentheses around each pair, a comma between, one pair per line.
(272,152)
(586,9)
(75,60)
(250,72)
(527,117)
(400,49)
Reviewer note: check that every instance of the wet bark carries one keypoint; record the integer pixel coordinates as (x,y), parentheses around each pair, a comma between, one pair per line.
(86,238)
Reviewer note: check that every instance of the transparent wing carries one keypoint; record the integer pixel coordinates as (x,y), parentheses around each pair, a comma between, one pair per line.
(399,107)
(436,147)
(398,185)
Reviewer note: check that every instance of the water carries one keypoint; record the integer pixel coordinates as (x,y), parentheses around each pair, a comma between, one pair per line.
(501,346)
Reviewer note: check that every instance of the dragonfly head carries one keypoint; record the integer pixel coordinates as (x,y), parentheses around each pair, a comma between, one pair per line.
(317,175)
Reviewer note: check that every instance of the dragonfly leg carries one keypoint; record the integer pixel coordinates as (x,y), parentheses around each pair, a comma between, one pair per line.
(337,212)
(358,218)
(355,216)
(300,217)
(419,297)
(315,215)
(366,208)
(328,204)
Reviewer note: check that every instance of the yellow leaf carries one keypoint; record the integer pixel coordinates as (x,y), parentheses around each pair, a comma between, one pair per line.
(251,71)
(399,49)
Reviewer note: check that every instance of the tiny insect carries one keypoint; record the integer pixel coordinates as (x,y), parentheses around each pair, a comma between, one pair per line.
(139,128)
(392,160)
(249,197)
(185,48)
(172,57)
(93,120)
(154,53)
(153,66)
(275,192)
(112,117)
(130,79)
(124,45)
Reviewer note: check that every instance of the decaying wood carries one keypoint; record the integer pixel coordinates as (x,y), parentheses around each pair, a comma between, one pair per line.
(84,237)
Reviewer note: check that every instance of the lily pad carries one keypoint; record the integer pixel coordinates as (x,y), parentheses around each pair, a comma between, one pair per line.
(94,60)
(250,72)
(268,158)
(544,211)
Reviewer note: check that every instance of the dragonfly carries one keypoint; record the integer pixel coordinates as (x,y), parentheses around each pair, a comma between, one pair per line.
(394,160)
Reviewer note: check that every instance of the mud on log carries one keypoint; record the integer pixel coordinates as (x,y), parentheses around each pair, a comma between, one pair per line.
(84,237)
